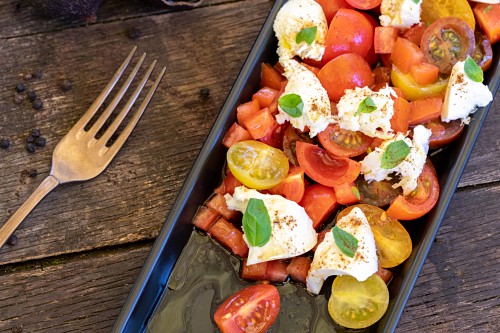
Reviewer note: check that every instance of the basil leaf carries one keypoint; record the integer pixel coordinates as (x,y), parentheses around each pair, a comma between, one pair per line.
(472,70)
(366,106)
(356,193)
(395,153)
(488,9)
(257,223)
(307,35)
(291,104)
(416,1)
(346,242)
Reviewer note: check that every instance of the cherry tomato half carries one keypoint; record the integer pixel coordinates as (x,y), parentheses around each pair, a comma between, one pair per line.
(447,41)
(433,10)
(443,133)
(377,193)
(256,164)
(346,71)
(355,304)
(253,309)
(483,54)
(393,241)
(291,136)
(420,201)
(324,168)
(364,4)
(341,142)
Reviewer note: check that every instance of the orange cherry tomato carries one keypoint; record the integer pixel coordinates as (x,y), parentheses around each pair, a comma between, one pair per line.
(346,71)
(341,142)
(420,201)
(253,309)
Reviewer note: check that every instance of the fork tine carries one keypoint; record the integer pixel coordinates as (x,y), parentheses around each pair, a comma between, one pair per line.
(109,109)
(80,124)
(115,147)
(125,110)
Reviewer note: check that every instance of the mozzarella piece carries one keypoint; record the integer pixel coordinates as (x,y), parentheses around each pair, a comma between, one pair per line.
(463,95)
(316,113)
(399,13)
(293,17)
(409,169)
(292,231)
(492,2)
(330,260)
(374,124)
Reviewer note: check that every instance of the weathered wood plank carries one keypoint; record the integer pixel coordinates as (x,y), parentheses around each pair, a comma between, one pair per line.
(131,199)
(17,18)
(457,289)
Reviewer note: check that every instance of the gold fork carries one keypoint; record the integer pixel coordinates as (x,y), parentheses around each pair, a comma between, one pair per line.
(79,155)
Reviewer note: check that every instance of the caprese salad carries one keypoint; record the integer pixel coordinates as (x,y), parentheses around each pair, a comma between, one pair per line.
(345,120)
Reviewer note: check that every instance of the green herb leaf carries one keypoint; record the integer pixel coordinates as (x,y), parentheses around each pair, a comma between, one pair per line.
(257,223)
(366,106)
(395,153)
(356,193)
(488,9)
(416,1)
(307,35)
(346,242)
(472,70)
(291,104)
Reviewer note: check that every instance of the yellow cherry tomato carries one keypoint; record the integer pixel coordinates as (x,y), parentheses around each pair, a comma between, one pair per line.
(433,10)
(393,241)
(257,165)
(412,89)
(355,304)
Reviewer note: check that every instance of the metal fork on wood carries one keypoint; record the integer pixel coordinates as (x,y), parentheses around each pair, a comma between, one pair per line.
(79,155)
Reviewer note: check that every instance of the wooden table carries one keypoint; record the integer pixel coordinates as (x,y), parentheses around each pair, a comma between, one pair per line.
(80,250)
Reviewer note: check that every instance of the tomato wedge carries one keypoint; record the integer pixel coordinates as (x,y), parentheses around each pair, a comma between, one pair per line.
(483,54)
(253,309)
(420,201)
(443,133)
(341,142)
(325,168)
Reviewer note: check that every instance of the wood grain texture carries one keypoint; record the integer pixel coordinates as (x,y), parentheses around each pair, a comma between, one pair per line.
(130,200)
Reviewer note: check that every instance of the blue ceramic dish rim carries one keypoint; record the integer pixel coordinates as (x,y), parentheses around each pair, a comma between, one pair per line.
(152,280)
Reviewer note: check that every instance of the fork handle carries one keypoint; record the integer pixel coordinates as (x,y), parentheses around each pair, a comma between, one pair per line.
(47,185)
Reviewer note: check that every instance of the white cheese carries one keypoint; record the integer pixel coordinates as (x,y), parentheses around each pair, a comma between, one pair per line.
(492,2)
(374,124)
(293,17)
(330,260)
(316,113)
(292,231)
(463,95)
(399,13)
(409,169)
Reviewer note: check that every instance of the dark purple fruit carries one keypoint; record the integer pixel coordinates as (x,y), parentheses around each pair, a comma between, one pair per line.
(82,10)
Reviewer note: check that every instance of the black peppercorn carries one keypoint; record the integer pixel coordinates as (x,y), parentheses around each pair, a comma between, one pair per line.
(37,104)
(32,95)
(36,133)
(30,147)
(4,143)
(12,241)
(66,85)
(20,87)
(40,141)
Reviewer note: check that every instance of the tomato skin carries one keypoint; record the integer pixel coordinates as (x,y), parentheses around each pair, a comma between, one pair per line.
(229,236)
(298,268)
(331,7)
(341,142)
(483,54)
(441,51)
(384,274)
(406,54)
(489,20)
(420,201)
(247,110)
(218,203)
(423,110)
(276,271)
(349,32)
(377,193)
(205,217)
(270,77)
(319,201)
(289,143)
(346,193)
(401,118)
(413,90)
(293,186)
(346,71)
(236,133)
(414,34)
(274,136)
(228,184)
(434,10)
(385,39)
(424,73)
(253,309)
(265,96)
(364,4)
(324,168)
(255,271)
(443,133)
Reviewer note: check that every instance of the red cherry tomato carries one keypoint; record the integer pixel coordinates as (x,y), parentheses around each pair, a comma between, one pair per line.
(341,142)
(364,4)
(319,201)
(293,186)
(447,41)
(253,309)
(420,201)
(330,7)
(347,71)
(324,168)
(443,133)
(349,32)
(415,33)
